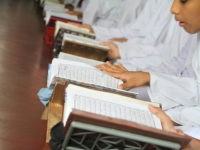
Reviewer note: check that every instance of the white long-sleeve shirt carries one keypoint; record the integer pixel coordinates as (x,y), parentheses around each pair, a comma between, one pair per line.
(177,83)
(72,2)
(182,59)
(189,118)
(142,55)
(138,23)
(101,12)
(128,12)
(180,96)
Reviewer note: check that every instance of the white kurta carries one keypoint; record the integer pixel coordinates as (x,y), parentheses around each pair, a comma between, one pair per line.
(72,2)
(176,86)
(127,13)
(189,118)
(101,12)
(89,13)
(136,25)
(84,5)
(180,96)
(141,54)
(181,61)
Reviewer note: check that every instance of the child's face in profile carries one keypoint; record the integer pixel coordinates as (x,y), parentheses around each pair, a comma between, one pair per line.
(187,13)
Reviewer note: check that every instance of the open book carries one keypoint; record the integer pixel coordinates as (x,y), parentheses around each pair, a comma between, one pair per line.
(62,28)
(108,104)
(81,72)
(84,47)
(103,114)
(92,117)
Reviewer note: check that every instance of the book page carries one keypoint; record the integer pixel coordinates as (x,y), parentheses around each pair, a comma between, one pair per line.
(83,40)
(110,105)
(70,57)
(81,72)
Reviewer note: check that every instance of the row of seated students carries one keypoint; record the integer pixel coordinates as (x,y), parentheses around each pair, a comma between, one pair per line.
(151,52)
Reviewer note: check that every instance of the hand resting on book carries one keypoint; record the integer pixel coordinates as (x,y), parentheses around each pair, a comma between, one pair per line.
(131,79)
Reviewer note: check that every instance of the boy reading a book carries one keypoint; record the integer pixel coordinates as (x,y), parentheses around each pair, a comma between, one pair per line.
(179,94)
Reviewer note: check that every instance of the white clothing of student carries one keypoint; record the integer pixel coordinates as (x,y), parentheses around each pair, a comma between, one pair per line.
(72,2)
(138,21)
(141,54)
(180,95)
(127,14)
(84,5)
(188,118)
(179,66)
(129,11)
(181,85)
(101,12)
